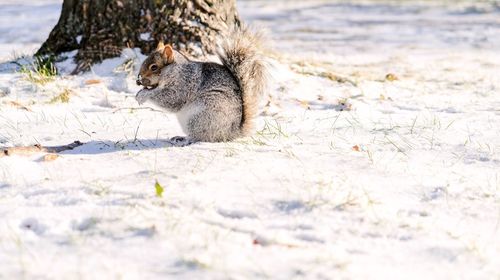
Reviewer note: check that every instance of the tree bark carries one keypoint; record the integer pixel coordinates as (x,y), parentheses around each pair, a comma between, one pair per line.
(100,29)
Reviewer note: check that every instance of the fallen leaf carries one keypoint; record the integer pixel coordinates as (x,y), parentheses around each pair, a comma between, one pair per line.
(63,97)
(391,77)
(92,82)
(303,103)
(331,76)
(50,157)
(356,148)
(158,189)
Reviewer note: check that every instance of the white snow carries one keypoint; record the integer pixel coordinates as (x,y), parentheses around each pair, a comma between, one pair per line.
(145,36)
(364,178)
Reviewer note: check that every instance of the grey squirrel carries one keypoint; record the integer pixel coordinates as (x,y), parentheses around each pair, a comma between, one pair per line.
(213,102)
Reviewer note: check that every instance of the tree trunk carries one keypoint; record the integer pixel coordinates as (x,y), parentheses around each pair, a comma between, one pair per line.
(100,29)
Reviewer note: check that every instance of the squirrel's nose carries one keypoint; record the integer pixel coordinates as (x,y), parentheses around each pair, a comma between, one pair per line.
(138,82)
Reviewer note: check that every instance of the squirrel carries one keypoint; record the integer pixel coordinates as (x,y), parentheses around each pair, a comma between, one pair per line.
(213,102)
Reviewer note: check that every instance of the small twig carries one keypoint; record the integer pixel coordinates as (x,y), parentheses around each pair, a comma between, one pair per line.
(85,132)
(26,150)
(19,105)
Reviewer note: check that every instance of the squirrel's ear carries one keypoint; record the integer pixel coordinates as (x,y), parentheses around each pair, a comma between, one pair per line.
(160,46)
(168,53)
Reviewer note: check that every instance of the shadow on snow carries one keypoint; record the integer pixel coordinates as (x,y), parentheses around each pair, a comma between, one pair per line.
(103,147)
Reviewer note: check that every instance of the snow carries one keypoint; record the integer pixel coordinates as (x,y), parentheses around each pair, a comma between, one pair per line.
(362,178)
(145,36)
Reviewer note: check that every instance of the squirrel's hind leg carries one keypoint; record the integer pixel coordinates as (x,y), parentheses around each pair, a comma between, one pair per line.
(216,123)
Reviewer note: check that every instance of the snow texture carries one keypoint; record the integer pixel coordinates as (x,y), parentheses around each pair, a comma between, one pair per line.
(376,156)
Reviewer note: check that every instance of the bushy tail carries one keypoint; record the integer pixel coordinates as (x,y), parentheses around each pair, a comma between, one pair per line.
(241,53)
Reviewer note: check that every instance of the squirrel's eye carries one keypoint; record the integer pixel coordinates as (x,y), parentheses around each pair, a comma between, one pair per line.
(154,67)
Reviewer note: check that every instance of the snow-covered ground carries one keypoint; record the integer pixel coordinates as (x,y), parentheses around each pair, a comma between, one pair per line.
(352,174)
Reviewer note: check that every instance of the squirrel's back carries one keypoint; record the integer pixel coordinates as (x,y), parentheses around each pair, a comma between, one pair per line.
(241,53)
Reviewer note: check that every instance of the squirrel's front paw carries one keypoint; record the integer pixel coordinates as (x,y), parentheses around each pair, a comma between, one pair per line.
(141,96)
